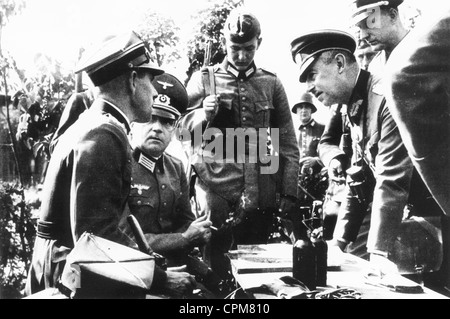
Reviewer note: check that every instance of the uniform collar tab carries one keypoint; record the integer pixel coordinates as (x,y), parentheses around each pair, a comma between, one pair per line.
(150,162)
(241,74)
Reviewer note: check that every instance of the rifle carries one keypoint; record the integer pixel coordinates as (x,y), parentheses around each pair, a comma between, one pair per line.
(208,53)
(79,76)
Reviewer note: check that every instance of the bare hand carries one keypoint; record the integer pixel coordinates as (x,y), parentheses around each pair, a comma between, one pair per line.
(211,105)
(179,282)
(22,127)
(199,231)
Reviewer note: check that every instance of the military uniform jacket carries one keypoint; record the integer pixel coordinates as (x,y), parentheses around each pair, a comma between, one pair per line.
(376,141)
(86,188)
(418,88)
(255,100)
(309,137)
(159,196)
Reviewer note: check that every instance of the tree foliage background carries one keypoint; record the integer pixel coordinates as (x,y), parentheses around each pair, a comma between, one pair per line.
(210,22)
(161,35)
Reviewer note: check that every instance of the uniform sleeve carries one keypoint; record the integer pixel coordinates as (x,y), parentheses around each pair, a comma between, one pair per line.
(289,153)
(185,215)
(351,212)
(393,178)
(331,137)
(98,186)
(196,91)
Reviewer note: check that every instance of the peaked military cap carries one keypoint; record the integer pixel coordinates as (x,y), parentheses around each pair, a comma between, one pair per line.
(364,8)
(242,26)
(307,48)
(172,99)
(306,98)
(115,56)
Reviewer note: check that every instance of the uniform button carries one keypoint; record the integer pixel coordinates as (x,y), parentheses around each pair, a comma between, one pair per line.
(243,108)
(244,98)
(242,80)
(163,186)
(139,202)
(164,204)
(242,89)
(244,119)
(266,107)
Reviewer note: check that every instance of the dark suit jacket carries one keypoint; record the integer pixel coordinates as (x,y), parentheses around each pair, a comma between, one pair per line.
(419,70)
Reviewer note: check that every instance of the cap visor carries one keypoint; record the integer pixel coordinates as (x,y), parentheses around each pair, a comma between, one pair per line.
(359,16)
(152,68)
(163,113)
(305,67)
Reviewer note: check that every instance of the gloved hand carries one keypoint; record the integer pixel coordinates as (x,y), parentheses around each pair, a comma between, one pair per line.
(336,171)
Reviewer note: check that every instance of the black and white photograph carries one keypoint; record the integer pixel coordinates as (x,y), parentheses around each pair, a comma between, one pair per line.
(223,155)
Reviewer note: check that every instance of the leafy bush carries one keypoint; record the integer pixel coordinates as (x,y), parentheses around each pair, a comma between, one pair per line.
(17,233)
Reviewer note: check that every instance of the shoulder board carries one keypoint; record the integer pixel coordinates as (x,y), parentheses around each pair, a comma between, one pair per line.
(214,67)
(173,158)
(267,71)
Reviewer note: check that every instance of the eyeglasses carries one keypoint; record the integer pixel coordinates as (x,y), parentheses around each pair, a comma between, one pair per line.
(168,124)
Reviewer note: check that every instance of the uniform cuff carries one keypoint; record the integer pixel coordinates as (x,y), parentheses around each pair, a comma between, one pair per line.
(159,279)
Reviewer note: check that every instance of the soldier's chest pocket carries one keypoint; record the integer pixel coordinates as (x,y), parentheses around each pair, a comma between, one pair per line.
(263,113)
(140,197)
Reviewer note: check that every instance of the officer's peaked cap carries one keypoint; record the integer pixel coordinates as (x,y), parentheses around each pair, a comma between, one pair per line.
(115,56)
(242,26)
(306,48)
(305,98)
(364,8)
(172,99)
